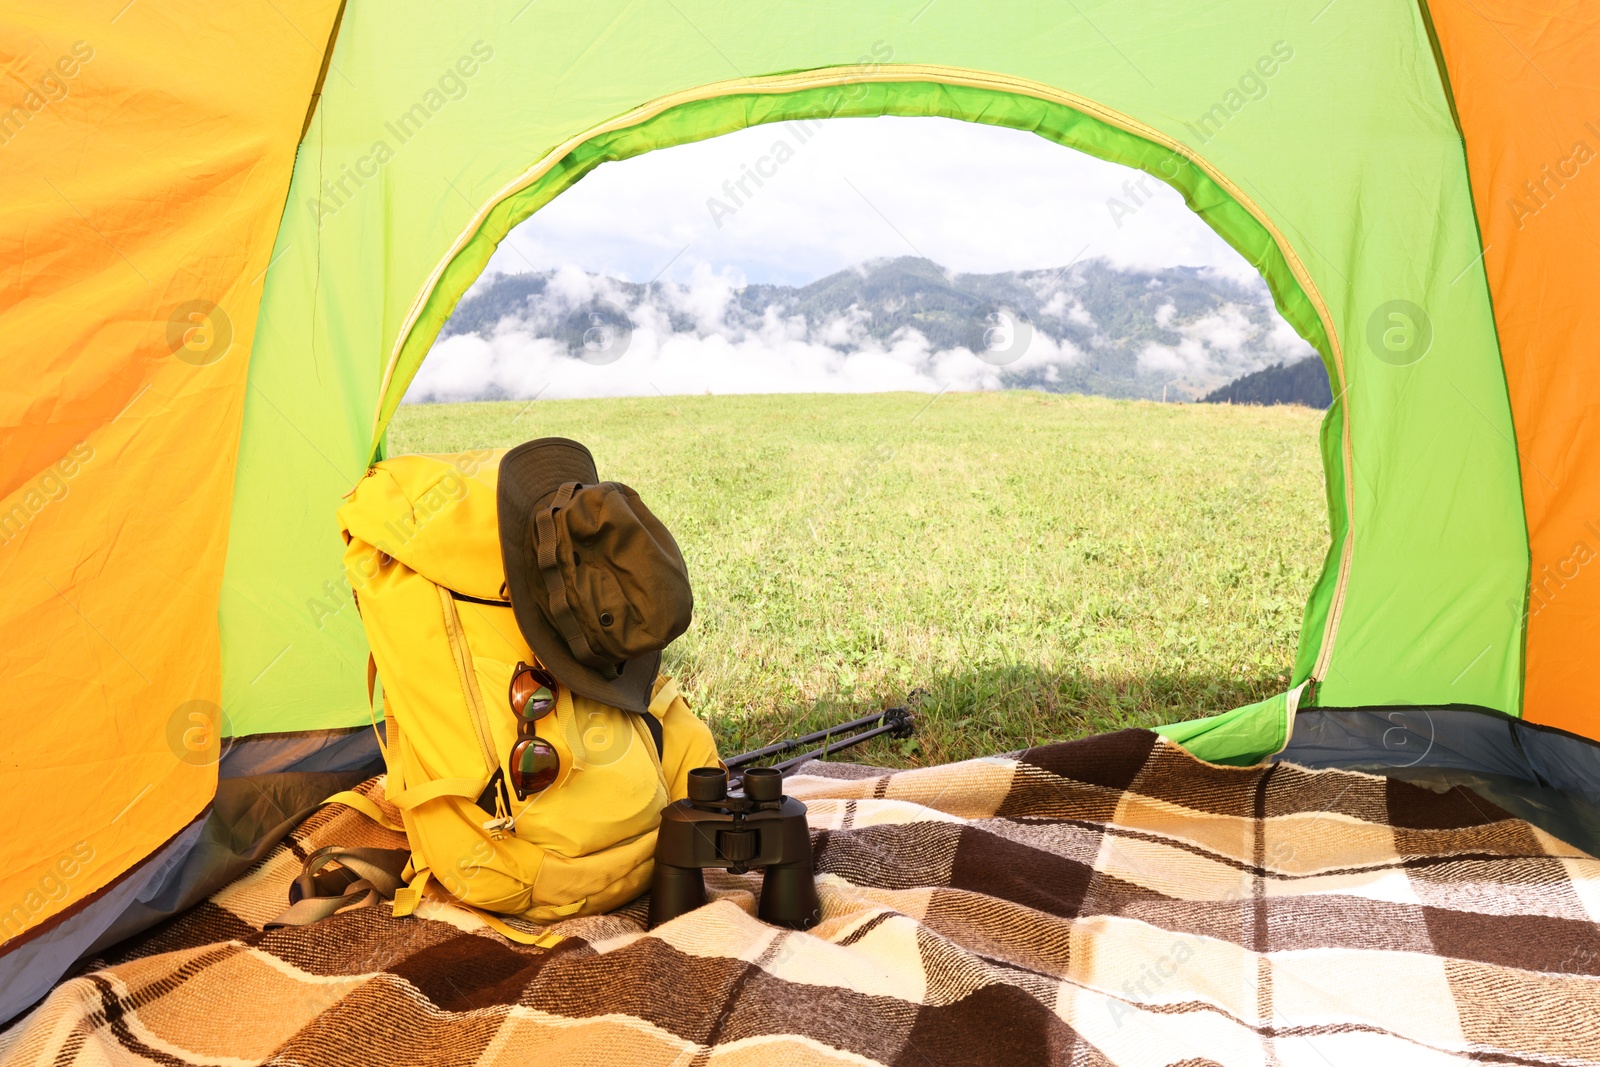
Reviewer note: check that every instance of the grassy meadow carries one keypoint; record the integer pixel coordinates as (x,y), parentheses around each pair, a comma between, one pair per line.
(1045,566)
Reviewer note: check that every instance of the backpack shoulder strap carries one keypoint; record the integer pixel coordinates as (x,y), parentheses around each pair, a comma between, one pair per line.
(657,734)
(351,799)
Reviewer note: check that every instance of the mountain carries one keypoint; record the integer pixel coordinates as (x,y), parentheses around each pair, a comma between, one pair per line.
(1304,382)
(1091,327)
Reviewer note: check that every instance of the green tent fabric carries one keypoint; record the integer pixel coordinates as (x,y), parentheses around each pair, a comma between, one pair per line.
(1242,736)
(435,135)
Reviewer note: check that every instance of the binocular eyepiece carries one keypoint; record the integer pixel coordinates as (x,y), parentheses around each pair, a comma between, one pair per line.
(709,785)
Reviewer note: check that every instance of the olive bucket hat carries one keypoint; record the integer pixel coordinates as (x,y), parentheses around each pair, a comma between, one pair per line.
(596,582)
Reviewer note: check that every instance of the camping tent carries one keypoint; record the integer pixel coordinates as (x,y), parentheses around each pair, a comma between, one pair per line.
(232,230)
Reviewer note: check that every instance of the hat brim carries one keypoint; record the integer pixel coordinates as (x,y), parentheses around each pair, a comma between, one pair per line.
(529,475)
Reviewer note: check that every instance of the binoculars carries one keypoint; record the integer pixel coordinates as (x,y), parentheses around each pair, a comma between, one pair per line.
(761,829)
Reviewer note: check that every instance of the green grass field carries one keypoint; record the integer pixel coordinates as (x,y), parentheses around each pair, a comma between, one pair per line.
(1045,566)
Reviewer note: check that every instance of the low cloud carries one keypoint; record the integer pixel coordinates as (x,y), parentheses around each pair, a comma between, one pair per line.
(720,351)
(888,325)
(518,365)
(1225,343)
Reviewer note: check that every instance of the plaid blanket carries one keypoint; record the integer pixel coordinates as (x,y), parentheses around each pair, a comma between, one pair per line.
(1106,901)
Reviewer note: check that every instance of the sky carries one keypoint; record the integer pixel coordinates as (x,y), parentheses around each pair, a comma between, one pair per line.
(832,194)
(973,198)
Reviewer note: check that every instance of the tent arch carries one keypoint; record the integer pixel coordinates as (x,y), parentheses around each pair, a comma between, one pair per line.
(428,142)
(854,91)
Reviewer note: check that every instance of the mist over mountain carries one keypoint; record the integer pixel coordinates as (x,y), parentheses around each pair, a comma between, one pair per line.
(902,323)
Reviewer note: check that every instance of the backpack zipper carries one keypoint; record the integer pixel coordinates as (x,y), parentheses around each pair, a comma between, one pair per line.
(469,681)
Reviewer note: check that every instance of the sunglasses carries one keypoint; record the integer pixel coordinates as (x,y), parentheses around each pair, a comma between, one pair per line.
(534,763)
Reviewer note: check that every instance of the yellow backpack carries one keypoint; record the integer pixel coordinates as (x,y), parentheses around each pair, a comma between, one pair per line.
(423,558)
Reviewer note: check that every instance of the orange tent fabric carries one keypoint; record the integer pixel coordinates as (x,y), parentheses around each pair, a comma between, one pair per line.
(1526,80)
(144,161)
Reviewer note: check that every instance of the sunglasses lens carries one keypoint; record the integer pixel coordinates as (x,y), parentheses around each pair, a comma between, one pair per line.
(532,697)
(534,766)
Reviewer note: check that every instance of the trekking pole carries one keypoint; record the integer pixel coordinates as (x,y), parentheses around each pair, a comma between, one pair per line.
(896,722)
(733,763)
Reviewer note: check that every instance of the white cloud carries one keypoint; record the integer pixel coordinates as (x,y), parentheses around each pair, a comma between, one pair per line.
(975,198)
(1185,359)
(1224,330)
(516,364)
(1217,346)
(775,354)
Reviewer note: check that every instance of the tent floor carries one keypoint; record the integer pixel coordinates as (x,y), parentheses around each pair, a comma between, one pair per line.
(1112,900)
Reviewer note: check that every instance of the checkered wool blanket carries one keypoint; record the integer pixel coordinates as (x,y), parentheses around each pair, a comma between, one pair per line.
(1106,901)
